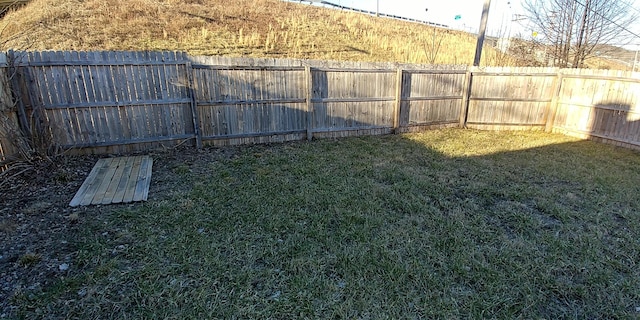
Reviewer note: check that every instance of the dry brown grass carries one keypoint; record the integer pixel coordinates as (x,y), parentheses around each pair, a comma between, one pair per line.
(257,28)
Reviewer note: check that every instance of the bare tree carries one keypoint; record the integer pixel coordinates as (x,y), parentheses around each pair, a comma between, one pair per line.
(433,45)
(573,28)
(12,136)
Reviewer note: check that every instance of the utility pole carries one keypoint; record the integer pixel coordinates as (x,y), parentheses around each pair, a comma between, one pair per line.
(483,27)
(377,8)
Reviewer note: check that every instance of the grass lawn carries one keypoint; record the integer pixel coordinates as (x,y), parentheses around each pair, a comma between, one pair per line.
(447,223)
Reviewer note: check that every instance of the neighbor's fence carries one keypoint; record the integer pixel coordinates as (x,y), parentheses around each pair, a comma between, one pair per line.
(511,98)
(125,101)
(600,105)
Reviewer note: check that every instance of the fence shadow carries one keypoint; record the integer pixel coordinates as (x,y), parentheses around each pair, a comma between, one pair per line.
(615,121)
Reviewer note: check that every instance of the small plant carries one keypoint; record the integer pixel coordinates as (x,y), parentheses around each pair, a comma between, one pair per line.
(63,177)
(432,45)
(29,259)
(181,169)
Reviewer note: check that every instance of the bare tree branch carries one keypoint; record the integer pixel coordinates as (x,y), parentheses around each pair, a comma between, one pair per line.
(574,28)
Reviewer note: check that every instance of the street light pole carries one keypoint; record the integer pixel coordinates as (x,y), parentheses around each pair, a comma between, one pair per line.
(483,28)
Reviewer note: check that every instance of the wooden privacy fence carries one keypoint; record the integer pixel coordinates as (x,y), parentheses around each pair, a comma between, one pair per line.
(126,101)
(603,106)
(104,99)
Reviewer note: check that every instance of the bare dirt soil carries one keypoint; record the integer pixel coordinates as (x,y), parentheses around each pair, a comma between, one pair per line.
(39,230)
(37,226)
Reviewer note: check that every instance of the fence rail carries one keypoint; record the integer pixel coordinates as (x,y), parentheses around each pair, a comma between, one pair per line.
(127,101)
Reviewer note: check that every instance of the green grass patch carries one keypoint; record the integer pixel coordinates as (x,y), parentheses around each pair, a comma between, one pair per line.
(448,223)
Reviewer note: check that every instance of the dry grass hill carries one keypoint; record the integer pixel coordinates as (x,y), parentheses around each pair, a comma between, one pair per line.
(270,28)
(258,28)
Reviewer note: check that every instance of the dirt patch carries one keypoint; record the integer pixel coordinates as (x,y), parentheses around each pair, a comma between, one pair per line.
(39,231)
(37,226)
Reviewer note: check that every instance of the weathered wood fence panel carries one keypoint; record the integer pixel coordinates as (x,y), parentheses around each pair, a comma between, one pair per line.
(346,98)
(508,98)
(352,99)
(241,102)
(106,99)
(600,104)
(8,117)
(432,97)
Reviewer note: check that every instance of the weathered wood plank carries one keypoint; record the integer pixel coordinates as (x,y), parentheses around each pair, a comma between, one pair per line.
(398,101)
(87,186)
(130,188)
(94,184)
(309,102)
(143,180)
(105,181)
(112,187)
(121,188)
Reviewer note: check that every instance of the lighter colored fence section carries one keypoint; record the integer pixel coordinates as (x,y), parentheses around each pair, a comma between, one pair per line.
(510,98)
(600,104)
(95,99)
(236,102)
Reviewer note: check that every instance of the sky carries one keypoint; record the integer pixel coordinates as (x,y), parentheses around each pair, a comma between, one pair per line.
(501,14)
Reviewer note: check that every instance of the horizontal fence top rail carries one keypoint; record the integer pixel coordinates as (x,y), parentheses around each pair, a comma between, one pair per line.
(357,99)
(293,68)
(600,77)
(431,98)
(101,64)
(512,74)
(611,107)
(118,103)
(96,58)
(508,99)
(245,68)
(269,62)
(355,70)
(433,71)
(257,101)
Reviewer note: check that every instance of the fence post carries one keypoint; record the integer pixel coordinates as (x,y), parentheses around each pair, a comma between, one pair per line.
(398,102)
(17,94)
(552,107)
(466,93)
(309,92)
(194,103)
